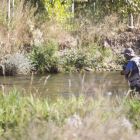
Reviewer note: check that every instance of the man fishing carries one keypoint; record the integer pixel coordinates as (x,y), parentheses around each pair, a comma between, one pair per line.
(132,69)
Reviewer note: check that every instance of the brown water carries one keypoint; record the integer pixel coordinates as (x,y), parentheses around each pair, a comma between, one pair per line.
(57,85)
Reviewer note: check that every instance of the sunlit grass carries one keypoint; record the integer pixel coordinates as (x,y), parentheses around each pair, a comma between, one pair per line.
(24,116)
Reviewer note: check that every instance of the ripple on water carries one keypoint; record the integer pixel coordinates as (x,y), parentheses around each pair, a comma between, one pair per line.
(60,84)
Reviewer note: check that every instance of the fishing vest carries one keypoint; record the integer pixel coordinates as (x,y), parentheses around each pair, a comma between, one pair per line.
(135,73)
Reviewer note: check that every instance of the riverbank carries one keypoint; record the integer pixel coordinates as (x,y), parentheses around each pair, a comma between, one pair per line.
(69,54)
(48,59)
(28,117)
(34,43)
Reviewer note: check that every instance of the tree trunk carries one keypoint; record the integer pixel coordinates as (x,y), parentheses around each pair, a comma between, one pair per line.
(8,17)
(8,35)
(8,11)
(34,3)
(13,9)
(131,19)
(94,6)
(73,7)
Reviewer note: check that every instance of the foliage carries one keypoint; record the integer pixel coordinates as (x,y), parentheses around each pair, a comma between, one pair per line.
(43,57)
(57,10)
(3,13)
(16,109)
(25,116)
(18,63)
(72,60)
(131,6)
(120,59)
(26,30)
(37,3)
(97,10)
(134,112)
(77,59)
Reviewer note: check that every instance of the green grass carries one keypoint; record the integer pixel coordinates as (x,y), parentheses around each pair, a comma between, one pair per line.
(28,117)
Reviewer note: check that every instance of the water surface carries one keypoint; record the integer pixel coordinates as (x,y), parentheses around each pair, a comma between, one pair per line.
(60,84)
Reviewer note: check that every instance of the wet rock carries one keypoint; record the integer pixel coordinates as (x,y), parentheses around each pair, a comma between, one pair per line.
(112,69)
(117,69)
(2,69)
(88,69)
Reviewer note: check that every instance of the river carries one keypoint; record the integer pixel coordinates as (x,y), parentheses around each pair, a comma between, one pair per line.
(62,85)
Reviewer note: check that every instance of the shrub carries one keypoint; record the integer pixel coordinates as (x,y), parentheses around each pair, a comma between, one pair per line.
(18,63)
(72,59)
(43,57)
(79,58)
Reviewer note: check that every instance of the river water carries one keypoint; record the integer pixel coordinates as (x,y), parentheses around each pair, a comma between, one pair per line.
(62,85)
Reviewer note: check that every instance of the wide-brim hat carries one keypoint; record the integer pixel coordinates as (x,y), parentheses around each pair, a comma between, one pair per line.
(129,51)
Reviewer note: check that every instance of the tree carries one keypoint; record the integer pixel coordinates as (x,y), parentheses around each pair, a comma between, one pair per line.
(131,7)
(101,8)
(57,10)
(125,7)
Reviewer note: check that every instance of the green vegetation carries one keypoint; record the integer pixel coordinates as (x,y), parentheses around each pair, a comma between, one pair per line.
(49,36)
(53,38)
(28,117)
(48,58)
(42,57)
(57,11)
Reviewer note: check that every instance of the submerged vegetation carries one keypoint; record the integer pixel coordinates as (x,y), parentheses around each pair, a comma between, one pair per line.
(28,117)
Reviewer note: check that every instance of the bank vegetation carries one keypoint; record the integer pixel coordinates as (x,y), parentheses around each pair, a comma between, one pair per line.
(42,37)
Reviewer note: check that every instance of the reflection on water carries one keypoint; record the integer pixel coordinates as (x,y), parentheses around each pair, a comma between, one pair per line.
(56,85)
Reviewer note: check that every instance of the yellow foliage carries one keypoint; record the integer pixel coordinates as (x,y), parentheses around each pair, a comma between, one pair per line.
(57,10)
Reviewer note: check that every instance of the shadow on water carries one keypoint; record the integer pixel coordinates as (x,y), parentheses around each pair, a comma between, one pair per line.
(61,85)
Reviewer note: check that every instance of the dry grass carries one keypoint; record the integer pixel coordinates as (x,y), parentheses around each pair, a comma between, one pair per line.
(21,33)
(27,30)
(101,119)
(23,26)
(97,33)
(21,29)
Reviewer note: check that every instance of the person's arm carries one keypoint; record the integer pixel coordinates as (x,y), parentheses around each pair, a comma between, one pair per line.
(128,68)
(124,72)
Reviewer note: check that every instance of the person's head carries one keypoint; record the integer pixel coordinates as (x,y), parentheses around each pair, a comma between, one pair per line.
(128,53)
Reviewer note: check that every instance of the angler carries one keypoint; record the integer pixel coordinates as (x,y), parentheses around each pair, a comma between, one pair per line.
(132,69)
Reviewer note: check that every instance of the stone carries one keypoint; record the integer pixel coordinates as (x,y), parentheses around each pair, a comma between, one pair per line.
(88,69)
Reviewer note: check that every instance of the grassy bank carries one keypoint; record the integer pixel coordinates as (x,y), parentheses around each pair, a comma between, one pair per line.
(33,43)
(98,117)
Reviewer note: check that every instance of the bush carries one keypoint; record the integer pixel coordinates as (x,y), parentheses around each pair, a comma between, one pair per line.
(18,63)
(80,58)
(43,57)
